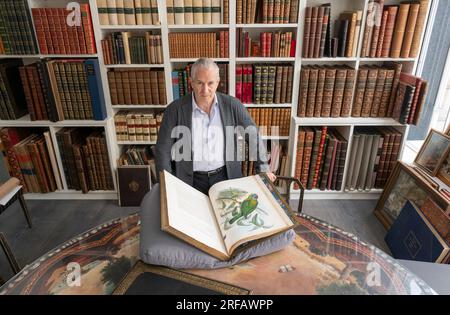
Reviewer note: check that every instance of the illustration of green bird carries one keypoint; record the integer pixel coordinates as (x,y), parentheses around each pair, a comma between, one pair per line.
(247,206)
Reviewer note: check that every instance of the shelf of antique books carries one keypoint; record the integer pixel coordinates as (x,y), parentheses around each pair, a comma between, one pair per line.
(320,157)
(268,26)
(25,121)
(267,105)
(331,30)
(198,26)
(135,66)
(127,13)
(186,60)
(345,121)
(137,126)
(394,29)
(129,27)
(372,157)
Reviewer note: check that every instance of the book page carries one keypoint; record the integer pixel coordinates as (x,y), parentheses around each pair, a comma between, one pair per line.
(190,212)
(245,210)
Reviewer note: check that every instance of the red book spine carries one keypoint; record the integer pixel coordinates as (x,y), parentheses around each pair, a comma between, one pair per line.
(239,83)
(88,28)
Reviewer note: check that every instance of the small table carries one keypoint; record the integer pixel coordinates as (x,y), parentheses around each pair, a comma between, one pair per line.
(322,260)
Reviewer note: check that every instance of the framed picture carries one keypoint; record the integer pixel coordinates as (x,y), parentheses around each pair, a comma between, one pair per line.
(433,152)
(444,171)
(404,184)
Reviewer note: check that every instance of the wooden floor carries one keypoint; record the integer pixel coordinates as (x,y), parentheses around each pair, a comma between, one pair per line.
(55,221)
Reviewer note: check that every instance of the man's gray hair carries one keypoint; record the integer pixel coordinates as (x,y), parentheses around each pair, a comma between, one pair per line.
(205,63)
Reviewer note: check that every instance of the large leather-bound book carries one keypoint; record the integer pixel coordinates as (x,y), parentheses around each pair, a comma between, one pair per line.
(303,95)
(134,181)
(307,153)
(312,32)
(320,92)
(420,23)
(420,103)
(410,29)
(319,31)
(338,95)
(299,154)
(378,11)
(381,37)
(412,237)
(222,233)
(369,91)
(397,66)
(95,86)
(348,92)
(399,30)
(389,32)
(379,88)
(438,219)
(325,26)
(351,17)
(312,87)
(359,94)
(368,29)
(328,91)
(327,161)
(383,110)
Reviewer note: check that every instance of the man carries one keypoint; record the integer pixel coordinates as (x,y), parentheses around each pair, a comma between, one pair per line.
(200,122)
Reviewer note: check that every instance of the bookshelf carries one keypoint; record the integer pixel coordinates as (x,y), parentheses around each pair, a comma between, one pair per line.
(345,125)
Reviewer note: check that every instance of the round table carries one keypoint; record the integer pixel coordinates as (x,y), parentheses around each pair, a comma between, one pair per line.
(322,260)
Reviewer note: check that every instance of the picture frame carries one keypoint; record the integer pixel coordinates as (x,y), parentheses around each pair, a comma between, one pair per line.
(433,152)
(444,170)
(405,183)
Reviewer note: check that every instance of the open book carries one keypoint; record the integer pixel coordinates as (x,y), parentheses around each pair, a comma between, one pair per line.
(235,214)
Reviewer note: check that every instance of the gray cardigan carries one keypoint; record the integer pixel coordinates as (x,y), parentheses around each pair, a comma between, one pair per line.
(179,114)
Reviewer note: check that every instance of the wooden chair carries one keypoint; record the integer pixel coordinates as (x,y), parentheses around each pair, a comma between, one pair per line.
(287,195)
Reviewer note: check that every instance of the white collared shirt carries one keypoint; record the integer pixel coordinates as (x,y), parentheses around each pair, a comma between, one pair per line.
(208,140)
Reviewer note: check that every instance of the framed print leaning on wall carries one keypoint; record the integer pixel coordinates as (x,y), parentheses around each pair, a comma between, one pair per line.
(433,152)
(405,184)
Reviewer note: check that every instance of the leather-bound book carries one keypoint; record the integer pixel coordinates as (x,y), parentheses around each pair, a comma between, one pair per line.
(338,95)
(399,30)
(134,182)
(389,32)
(303,94)
(348,92)
(410,29)
(328,91)
(320,92)
(369,91)
(420,23)
(379,88)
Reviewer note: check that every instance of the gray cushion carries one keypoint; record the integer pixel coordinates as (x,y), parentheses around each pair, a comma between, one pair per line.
(160,248)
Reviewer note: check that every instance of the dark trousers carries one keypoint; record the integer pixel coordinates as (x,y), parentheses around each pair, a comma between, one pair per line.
(202,182)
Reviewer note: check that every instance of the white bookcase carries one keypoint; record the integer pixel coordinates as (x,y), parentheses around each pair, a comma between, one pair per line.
(345,125)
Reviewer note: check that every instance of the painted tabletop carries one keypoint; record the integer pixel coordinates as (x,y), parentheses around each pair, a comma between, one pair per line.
(321,260)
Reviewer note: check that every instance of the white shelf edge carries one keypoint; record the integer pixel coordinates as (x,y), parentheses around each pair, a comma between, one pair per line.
(345,121)
(72,194)
(147,65)
(387,59)
(266,105)
(264,59)
(39,56)
(267,25)
(135,142)
(195,59)
(26,122)
(275,137)
(129,27)
(326,59)
(138,106)
(196,26)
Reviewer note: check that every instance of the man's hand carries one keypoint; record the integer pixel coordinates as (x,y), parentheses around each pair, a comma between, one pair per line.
(271,176)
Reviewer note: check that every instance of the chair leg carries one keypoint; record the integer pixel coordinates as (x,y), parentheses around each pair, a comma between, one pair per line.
(25,209)
(9,254)
(2,282)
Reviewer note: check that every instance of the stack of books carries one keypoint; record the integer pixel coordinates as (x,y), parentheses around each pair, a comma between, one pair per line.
(394,30)
(137,87)
(320,158)
(326,91)
(128,12)
(125,48)
(197,12)
(264,83)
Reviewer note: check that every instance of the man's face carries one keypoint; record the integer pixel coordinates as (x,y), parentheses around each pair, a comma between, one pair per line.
(205,84)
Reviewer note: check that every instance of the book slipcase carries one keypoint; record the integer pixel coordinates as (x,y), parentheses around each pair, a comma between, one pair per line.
(132,41)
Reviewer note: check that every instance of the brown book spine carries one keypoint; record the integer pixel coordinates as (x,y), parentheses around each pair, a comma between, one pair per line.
(351,36)
(338,95)
(389,32)
(303,95)
(325,24)
(370,21)
(328,91)
(299,154)
(410,29)
(386,93)
(369,92)
(399,30)
(348,93)
(401,92)
(420,102)
(320,92)
(379,87)
(45,158)
(318,33)
(312,88)
(382,33)
(307,152)
(319,156)
(312,32)
(378,11)
(359,94)
(420,23)
(381,164)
